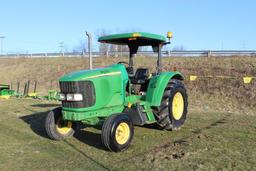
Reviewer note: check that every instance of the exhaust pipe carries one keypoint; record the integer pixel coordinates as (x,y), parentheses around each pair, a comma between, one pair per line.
(90,49)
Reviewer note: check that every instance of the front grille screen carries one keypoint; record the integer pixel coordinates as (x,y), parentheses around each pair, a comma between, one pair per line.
(86,88)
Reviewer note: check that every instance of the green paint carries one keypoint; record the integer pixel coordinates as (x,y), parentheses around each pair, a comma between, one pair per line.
(52,95)
(133,99)
(141,38)
(92,121)
(109,83)
(88,74)
(157,85)
(150,114)
(83,116)
(5,90)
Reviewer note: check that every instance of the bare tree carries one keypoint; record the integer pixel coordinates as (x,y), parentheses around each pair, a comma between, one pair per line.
(81,47)
(103,47)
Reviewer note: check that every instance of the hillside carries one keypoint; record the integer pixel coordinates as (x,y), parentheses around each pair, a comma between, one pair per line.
(208,94)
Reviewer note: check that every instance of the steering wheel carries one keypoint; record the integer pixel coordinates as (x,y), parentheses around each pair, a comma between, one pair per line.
(125,63)
(127,66)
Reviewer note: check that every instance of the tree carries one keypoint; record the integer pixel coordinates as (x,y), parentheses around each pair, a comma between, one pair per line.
(103,47)
(81,47)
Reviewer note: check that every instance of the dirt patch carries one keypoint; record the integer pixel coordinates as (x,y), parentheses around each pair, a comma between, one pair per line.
(168,151)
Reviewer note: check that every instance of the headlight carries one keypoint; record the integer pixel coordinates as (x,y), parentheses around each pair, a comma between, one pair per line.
(62,97)
(74,97)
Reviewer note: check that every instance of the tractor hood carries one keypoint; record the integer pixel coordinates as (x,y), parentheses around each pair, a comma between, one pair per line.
(116,69)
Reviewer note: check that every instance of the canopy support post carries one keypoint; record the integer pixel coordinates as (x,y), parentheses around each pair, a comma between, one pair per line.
(133,50)
(159,60)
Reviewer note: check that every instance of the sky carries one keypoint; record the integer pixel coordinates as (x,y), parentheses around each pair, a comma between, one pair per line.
(31,26)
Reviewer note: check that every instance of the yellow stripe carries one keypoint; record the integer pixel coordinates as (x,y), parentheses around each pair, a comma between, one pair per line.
(107,74)
(5,97)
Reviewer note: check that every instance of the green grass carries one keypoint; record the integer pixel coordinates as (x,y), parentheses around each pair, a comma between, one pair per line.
(208,141)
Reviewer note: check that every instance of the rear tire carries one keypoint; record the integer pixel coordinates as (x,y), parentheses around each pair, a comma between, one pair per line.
(172,112)
(56,127)
(117,132)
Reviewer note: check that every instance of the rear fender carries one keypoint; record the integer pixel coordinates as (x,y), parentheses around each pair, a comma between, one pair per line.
(157,85)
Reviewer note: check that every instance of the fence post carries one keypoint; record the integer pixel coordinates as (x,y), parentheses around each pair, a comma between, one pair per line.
(169,53)
(209,54)
(51,84)
(28,87)
(107,54)
(25,89)
(35,86)
(18,87)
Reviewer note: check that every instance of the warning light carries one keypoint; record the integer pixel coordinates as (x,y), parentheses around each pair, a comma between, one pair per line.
(136,35)
(169,35)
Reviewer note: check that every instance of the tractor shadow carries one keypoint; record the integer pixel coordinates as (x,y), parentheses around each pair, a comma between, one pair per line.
(36,123)
(45,105)
(90,138)
(217,123)
(153,126)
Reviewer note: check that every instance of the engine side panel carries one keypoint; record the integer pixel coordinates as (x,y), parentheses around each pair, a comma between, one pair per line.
(109,86)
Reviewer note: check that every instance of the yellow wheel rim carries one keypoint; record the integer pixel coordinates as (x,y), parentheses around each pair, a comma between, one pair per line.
(177,106)
(63,127)
(122,133)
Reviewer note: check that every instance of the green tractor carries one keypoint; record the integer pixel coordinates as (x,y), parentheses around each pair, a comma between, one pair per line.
(5,91)
(107,97)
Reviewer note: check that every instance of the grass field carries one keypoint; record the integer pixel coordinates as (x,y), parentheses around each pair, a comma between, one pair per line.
(208,141)
(219,133)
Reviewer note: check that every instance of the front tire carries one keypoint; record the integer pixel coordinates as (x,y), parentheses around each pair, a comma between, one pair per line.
(56,127)
(172,112)
(117,132)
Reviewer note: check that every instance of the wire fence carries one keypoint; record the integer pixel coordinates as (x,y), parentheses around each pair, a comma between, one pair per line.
(192,53)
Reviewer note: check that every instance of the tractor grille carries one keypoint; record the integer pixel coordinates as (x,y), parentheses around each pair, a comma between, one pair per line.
(86,88)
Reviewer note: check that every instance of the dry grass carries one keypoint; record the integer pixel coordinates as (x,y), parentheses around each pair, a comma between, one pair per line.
(229,95)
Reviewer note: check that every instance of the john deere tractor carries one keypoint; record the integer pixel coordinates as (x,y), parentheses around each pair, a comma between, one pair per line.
(107,96)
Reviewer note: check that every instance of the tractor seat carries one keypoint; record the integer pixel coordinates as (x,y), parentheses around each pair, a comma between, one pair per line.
(141,76)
